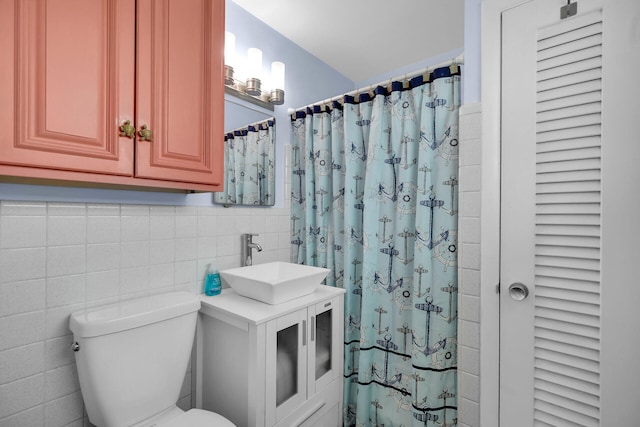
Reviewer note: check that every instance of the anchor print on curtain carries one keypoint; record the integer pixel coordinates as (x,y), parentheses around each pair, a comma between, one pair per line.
(249,169)
(374,198)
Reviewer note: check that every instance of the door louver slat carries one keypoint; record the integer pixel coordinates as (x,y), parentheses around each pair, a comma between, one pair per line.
(578,186)
(559,49)
(579,53)
(569,144)
(544,419)
(561,155)
(578,285)
(577,78)
(567,316)
(584,219)
(567,123)
(567,294)
(568,223)
(569,209)
(567,327)
(578,241)
(568,69)
(569,111)
(582,375)
(565,338)
(566,381)
(573,30)
(569,306)
(568,416)
(584,131)
(568,263)
(569,101)
(584,364)
(576,89)
(544,199)
(568,230)
(549,395)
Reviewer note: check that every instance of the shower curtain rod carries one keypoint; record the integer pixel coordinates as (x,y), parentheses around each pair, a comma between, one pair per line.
(458,60)
(259,122)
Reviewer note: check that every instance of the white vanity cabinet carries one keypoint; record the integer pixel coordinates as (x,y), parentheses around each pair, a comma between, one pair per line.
(272,365)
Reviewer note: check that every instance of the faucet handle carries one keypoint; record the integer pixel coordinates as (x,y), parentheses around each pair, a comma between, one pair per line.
(248,237)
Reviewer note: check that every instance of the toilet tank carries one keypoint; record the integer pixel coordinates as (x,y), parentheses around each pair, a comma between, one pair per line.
(133,355)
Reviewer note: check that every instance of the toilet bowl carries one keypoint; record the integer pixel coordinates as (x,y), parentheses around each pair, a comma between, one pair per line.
(132,357)
(197,418)
(191,418)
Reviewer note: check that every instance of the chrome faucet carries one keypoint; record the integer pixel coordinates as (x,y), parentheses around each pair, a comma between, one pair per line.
(246,247)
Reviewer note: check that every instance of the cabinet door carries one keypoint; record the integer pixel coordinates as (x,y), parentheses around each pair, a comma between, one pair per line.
(67,83)
(324,345)
(286,358)
(180,90)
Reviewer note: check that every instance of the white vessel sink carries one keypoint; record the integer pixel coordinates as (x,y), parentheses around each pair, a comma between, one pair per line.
(274,282)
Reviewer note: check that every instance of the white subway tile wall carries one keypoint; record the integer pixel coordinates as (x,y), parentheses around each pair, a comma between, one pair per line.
(57,258)
(469,268)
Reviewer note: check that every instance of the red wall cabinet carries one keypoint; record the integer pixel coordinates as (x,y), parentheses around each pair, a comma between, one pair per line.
(113,91)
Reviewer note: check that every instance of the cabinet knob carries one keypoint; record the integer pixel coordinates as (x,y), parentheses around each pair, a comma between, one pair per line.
(127,130)
(145,133)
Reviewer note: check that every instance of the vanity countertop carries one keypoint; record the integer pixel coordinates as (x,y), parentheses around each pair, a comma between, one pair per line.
(231,304)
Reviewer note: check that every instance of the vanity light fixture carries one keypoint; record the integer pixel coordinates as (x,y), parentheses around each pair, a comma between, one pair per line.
(251,88)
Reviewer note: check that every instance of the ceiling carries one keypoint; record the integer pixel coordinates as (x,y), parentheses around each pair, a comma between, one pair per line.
(366,38)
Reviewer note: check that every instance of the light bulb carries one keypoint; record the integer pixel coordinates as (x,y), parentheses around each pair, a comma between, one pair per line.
(229,49)
(254,57)
(277,75)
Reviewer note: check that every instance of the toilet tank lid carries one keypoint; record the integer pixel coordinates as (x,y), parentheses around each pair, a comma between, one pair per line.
(132,313)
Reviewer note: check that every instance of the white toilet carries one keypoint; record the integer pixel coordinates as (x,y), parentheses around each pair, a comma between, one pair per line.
(132,357)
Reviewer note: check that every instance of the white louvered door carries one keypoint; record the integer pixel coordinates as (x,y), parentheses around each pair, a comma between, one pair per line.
(569,151)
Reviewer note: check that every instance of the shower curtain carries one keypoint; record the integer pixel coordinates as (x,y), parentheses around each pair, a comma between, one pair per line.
(374,198)
(249,170)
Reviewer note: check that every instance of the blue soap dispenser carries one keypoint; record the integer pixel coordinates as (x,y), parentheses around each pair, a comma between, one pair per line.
(212,284)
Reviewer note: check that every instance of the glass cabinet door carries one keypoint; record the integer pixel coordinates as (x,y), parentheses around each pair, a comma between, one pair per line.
(322,330)
(286,364)
(324,345)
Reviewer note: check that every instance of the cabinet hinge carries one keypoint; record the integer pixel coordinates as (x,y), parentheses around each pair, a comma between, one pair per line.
(498,288)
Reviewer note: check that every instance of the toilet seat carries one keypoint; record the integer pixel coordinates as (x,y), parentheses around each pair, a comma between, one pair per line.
(197,418)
